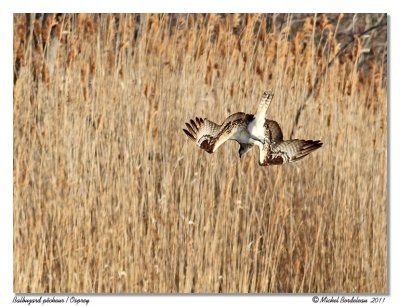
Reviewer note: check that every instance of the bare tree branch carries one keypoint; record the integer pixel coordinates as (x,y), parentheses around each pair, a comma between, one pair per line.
(380,24)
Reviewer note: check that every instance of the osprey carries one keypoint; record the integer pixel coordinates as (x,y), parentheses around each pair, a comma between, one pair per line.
(249,130)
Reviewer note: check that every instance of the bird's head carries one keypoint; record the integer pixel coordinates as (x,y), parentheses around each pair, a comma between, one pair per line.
(241,151)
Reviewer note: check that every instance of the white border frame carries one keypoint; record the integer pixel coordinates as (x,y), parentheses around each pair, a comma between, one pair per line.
(248,6)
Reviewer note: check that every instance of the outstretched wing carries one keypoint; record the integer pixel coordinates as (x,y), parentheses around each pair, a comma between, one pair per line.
(207,134)
(287,151)
(257,128)
(264,105)
(272,131)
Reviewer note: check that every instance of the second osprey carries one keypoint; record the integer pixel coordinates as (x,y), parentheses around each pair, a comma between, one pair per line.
(249,130)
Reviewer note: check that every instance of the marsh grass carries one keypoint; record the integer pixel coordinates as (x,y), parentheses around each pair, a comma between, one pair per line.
(111,196)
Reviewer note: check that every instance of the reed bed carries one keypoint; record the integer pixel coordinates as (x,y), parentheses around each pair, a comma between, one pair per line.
(110,196)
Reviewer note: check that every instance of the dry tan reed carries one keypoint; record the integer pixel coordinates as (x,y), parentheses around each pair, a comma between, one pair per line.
(110,196)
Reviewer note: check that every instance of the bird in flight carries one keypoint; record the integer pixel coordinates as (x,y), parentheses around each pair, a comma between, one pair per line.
(249,130)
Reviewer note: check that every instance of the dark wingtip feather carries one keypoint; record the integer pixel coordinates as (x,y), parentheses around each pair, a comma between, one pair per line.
(191,130)
(193,124)
(315,144)
(189,135)
(308,147)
